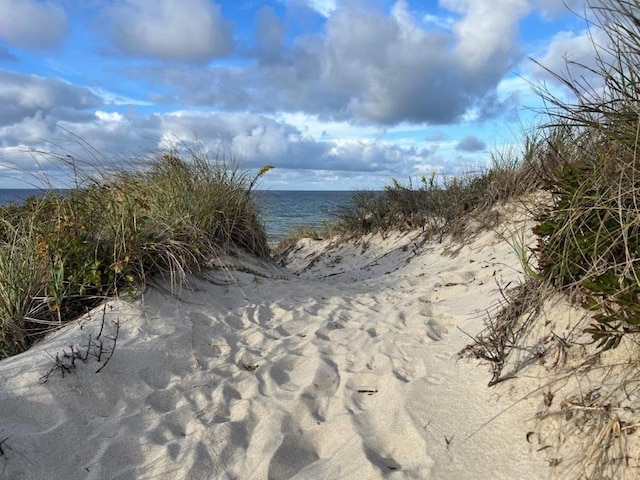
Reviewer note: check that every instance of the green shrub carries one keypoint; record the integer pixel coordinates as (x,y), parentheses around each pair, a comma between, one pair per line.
(590,235)
(590,238)
(60,255)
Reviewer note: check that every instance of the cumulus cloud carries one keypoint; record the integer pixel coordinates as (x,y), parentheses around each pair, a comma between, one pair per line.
(486,34)
(550,9)
(31,24)
(25,96)
(366,66)
(258,139)
(49,115)
(170,30)
(574,56)
(253,139)
(29,150)
(471,143)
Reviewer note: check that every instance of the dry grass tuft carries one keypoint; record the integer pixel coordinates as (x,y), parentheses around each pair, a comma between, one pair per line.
(505,332)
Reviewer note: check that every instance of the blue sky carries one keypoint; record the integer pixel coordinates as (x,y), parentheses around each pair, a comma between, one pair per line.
(335,94)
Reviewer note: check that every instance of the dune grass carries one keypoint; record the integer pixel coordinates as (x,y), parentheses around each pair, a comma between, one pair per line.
(589,243)
(590,234)
(61,255)
(439,205)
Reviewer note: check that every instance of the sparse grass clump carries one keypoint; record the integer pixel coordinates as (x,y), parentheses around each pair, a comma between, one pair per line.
(438,206)
(60,255)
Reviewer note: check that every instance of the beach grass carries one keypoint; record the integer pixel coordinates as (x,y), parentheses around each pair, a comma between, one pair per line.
(439,205)
(588,247)
(63,254)
(590,234)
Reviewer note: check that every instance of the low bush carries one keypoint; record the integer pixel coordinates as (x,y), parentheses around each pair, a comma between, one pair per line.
(60,255)
(438,206)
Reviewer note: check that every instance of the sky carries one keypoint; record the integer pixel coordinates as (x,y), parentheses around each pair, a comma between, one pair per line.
(335,94)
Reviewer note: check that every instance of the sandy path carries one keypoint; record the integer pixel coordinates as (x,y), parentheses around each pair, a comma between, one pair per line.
(345,370)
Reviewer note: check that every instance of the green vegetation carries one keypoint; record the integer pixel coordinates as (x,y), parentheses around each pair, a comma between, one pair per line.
(438,206)
(590,235)
(60,255)
(588,249)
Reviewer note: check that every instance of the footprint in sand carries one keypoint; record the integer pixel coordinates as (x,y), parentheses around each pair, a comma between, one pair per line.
(404,374)
(435,379)
(364,387)
(444,356)
(293,455)
(162,401)
(435,330)
(450,279)
(259,314)
(324,386)
(407,369)
(170,427)
(155,377)
(204,348)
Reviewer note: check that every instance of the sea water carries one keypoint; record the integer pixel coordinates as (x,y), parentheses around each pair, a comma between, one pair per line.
(18,195)
(281,211)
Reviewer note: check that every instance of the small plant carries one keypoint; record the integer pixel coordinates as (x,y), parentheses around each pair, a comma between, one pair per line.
(506,331)
(100,348)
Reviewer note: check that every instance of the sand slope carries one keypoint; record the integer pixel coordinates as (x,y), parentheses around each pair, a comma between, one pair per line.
(343,366)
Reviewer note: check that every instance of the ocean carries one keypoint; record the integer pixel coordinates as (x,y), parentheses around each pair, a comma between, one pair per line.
(17,195)
(281,210)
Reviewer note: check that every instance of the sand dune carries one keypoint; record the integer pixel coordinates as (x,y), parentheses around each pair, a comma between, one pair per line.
(343,365)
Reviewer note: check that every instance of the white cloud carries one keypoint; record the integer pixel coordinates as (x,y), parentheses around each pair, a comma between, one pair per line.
(253,139)
(572,47)
(366,67)
(258,139)
(328,129)
(171,30)
(111,98)
(29,131)
(439,21)
(550,9)
(23,96)
(573,56)
(346,99)
(323,7)
(32,25)
(486,33)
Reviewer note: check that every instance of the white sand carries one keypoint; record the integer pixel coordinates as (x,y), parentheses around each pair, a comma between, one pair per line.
(344,370)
